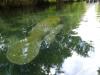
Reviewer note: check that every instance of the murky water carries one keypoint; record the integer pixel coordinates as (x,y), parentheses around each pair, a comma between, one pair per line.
(50,42)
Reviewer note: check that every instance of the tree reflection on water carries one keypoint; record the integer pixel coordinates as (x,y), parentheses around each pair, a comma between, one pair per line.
(50,56)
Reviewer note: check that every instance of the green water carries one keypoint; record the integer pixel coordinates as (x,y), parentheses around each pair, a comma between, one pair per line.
(32,42)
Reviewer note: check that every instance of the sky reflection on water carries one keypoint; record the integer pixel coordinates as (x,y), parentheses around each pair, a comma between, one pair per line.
(88,30)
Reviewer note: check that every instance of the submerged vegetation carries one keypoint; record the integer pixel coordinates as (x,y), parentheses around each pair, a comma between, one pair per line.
(28,48)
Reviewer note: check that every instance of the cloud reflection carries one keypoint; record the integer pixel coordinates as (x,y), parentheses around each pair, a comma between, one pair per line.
(89,31)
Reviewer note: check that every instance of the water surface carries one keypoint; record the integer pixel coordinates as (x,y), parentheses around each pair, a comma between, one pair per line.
(88,30)
(50,42)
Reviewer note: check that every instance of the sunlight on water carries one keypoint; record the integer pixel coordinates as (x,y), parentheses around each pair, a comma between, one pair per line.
(89,30)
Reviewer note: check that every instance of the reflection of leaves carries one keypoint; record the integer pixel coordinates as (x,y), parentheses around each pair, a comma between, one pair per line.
(98,71)
(55,54)
(75,43)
